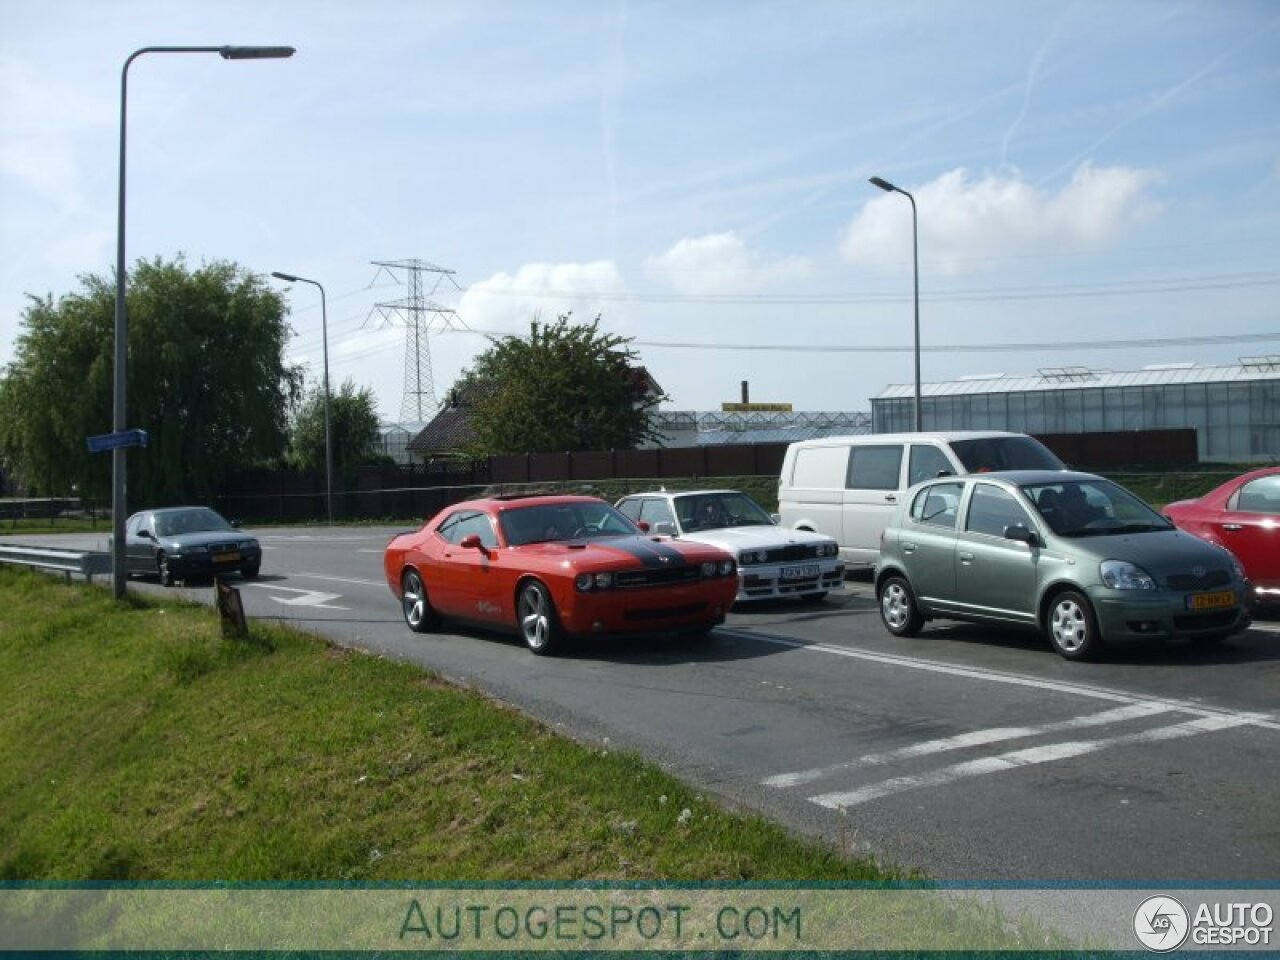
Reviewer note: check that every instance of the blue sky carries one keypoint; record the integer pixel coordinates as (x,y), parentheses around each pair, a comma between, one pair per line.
(1086,174)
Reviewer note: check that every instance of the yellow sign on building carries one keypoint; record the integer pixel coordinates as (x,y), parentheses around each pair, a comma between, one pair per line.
(755,408)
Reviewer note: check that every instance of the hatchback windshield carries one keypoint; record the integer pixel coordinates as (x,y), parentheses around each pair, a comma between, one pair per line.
(1092,508)
(548,522)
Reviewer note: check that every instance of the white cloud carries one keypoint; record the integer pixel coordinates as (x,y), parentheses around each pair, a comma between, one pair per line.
(721,263)
(966,223)
(505,303)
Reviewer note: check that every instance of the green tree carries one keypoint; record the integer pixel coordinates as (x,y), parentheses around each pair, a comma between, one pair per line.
(565,387)
(353,416)
(206,379)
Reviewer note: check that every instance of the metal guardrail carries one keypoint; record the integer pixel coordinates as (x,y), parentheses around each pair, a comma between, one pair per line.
(86,563)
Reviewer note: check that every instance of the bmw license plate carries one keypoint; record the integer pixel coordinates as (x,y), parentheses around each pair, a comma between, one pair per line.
(226,557)
(1211,601)
(801,572)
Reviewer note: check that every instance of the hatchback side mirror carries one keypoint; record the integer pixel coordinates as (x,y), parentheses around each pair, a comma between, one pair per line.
(1022,534)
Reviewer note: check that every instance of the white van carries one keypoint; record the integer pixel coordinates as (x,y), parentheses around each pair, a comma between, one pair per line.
(847,487)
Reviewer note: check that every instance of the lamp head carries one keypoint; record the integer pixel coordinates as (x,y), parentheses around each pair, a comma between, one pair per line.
(883,184)
(287,277)
(255,53)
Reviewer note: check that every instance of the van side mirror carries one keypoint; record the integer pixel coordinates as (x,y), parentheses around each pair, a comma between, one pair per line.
(1022,534)
(776,518)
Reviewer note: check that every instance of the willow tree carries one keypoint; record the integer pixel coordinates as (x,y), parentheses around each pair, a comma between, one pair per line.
(207,380)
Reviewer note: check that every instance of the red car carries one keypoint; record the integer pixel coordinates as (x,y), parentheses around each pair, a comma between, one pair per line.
(549,567)
(1242,515)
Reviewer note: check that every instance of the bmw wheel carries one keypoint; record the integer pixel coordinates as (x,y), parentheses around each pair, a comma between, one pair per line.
(1072,626)
(536,614)
(414,604)
(898,610)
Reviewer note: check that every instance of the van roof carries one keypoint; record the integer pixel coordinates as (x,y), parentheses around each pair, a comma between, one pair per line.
(934,435)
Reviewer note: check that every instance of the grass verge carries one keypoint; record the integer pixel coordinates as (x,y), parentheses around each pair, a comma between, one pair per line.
(138,744)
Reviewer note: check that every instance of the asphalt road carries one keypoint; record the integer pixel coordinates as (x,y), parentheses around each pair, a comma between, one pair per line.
(973,753)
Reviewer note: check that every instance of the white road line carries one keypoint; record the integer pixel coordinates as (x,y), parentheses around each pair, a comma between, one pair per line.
(321,576)
(1268,721)
(962,741)
(1018,759)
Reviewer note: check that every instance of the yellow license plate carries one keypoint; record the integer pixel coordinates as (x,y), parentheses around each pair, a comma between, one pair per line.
(226,557)
(1211,601)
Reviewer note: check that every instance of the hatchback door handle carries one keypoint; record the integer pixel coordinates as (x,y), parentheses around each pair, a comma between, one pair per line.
(966,558)
(1233,526)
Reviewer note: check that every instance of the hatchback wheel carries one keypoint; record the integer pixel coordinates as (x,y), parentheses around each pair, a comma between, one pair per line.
(536,614)
(1072,626)
(417,609)
(898,608)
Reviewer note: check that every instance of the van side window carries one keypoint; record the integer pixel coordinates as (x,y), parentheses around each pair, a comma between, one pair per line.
(938,505)
(656,511)
(875,468)
(927,462)
(992,509)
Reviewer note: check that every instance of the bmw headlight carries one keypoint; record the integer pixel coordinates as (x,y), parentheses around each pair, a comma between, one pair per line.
(1123,575)
(748,557)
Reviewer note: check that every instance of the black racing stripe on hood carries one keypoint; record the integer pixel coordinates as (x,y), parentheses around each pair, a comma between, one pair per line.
(649,552)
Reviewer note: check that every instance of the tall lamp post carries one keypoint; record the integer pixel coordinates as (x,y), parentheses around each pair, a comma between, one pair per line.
(119,465)
(328,430)
(915,262)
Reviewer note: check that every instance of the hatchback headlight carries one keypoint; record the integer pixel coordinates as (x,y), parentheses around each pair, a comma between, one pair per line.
(1123,575)
(189,548)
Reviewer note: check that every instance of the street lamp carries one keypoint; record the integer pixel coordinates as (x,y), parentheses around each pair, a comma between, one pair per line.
(119,465)
(328,430)
(915,262)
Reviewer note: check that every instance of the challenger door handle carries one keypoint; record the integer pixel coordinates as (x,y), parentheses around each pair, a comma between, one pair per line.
(1233,526)
(966,558)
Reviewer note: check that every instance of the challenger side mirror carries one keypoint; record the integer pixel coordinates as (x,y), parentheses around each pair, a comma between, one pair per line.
(472,541)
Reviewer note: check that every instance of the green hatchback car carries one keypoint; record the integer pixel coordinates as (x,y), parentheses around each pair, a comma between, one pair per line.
(1071,554)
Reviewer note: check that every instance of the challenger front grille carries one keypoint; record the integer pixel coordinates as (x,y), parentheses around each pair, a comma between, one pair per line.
(685,573)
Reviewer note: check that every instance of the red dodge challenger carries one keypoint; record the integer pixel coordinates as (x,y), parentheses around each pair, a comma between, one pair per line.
(555,566)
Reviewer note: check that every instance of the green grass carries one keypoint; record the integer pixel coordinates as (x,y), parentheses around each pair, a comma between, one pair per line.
(136,743)
(15,527)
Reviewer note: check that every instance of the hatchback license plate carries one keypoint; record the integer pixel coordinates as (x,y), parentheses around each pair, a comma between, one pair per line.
(226,558)
(801,572)
(1211,601)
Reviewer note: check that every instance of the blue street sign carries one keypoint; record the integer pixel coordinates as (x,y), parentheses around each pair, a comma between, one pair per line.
(125,438)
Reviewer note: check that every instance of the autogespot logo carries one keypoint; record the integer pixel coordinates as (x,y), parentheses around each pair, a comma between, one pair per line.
(1161,923)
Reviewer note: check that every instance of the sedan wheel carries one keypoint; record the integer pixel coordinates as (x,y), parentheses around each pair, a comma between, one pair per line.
(417,609)
(1072,627)
(898,608)
(164,570)
(537,617)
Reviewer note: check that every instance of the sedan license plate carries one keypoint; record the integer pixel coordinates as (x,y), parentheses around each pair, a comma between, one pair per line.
(801,572)
(226,558)
(1211,601)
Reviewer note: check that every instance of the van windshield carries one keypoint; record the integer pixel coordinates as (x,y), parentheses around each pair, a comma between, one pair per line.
(1005,453)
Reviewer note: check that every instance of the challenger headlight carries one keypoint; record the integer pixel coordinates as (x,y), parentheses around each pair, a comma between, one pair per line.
(1123,575)
(726,567)
(586,582)
(708,568)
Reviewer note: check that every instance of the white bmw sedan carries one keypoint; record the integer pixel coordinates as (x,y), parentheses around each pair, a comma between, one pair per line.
(773,562)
